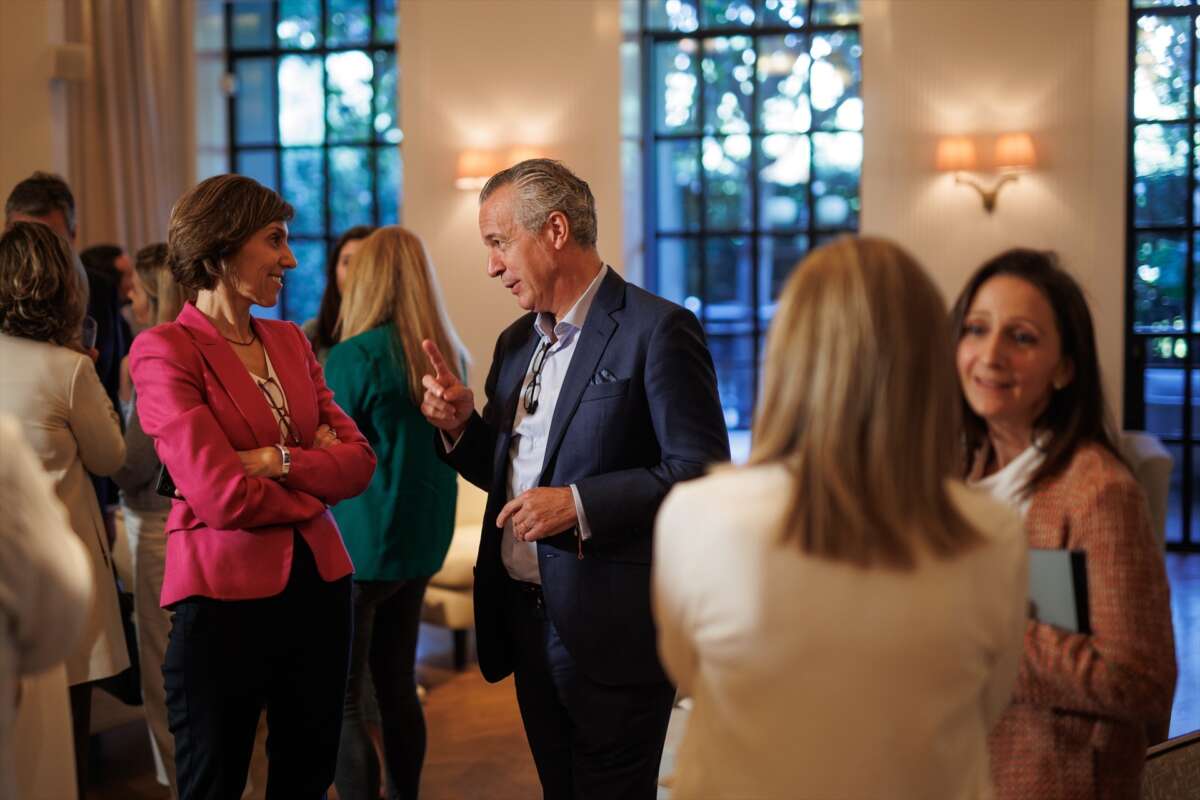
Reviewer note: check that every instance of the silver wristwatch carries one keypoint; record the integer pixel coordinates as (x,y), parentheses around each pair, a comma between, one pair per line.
(285,456)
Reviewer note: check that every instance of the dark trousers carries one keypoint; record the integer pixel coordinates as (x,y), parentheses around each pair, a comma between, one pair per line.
(387,617)
(227,659)
(589,741)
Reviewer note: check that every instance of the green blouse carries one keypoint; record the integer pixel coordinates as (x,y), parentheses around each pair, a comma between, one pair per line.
(400,527)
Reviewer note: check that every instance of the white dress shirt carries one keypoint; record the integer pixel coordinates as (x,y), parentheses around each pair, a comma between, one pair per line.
(527,450)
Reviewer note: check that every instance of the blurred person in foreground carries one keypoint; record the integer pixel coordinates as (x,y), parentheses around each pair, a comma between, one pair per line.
(53,390)
(1039,439)
(599,399)
(321,330)
(46,585)
(846,615)
(155,299)
(256,572)
(398,530)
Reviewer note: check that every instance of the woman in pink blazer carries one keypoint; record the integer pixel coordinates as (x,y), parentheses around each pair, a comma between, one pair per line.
(256,572)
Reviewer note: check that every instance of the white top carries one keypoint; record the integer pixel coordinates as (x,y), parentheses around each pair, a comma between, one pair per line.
(531,432)
(273,387)
(69,422)
(46,586)
(818,679)
(1005,484)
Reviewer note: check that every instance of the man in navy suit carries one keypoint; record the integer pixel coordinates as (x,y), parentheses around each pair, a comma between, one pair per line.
(598,400)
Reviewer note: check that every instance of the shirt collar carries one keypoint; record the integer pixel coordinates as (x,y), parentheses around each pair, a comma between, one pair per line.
(573,320)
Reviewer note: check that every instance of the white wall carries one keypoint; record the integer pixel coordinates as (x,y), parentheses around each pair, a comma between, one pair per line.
(1055,68)
(494,74)
(33,127)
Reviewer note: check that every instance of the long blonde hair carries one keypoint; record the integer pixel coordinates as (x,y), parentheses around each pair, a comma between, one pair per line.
(390,280)
(859,402)
(164,292)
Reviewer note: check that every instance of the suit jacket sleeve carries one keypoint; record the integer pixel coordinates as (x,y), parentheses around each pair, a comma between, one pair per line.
(94,424)
(685,411)
(1125,669)
(190,442)
(334,473)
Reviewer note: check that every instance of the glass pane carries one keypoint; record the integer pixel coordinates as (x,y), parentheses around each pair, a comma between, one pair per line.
(727,13)
(837,163)
(835,84)
(778,258)
(677,166)
(252,26)
(349,22)
(631,89)
(783,67)
(258,164)
(350,187)
(728,71)
(783,182)
(1162,385)
(727,289)
(727,183)
(1154,3)
(254,104)
(679,271)
(674,94)
(304,188)
(835,12)
(390,176)
(672,15)
(1175,497)
(784,12)
(1158,283)
(350,96)
(1160,84)
(299,24)
(306,282)
(385,21)
(209,31)
(1160,158)
(301,106)
(387,118)
(734,359)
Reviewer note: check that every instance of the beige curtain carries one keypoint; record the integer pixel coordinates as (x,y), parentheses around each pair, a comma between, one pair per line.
(132,125)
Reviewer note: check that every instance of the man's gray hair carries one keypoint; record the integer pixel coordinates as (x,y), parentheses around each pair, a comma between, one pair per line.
(40,195)
(543,186)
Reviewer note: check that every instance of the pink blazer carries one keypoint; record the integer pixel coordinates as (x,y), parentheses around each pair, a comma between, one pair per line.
(231,537)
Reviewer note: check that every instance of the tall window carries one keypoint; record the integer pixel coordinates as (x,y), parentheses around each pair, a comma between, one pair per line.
(752,123)
(313,114)
(1162,383)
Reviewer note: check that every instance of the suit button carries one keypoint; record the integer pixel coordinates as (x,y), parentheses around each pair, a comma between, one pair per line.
(551,555)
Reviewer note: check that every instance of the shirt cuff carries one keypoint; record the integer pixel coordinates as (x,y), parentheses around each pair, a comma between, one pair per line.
(449,445)
(585,532)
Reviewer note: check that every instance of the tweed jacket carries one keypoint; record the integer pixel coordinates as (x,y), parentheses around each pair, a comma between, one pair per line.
(1085,706)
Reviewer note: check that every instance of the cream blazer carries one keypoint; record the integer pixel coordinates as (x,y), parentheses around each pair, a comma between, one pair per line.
(70,423)
(819,679)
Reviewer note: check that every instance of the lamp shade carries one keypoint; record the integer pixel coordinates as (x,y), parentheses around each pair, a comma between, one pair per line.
(1015,151)
(955,153)
(475,167)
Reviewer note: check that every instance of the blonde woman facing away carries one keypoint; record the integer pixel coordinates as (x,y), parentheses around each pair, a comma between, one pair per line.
(1038,438)
(846,615)
(398,530)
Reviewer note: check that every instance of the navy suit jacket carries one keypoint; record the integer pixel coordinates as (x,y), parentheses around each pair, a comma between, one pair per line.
(638,411)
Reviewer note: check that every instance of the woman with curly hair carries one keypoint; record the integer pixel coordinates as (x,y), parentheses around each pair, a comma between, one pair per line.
(52,388)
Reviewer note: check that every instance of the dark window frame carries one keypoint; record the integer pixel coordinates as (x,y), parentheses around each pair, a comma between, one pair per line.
(650,137)
(373,144)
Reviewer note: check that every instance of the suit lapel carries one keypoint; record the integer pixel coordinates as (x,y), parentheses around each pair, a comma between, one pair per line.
(597,330)
(233,376)
(508,393)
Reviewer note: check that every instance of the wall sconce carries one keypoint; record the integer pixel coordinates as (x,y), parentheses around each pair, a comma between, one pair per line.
(476,166)
(1014,154)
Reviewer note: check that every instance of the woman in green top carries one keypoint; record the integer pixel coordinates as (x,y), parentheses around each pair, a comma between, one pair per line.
(399,529)
(320,330)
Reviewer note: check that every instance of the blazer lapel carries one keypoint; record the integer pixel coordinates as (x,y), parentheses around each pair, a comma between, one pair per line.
(508,392)
(232,374)
(597,330)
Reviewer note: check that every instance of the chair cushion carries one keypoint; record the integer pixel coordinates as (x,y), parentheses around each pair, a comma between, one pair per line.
(458,571)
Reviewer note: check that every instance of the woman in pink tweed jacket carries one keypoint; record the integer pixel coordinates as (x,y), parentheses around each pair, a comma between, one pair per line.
(1086,705)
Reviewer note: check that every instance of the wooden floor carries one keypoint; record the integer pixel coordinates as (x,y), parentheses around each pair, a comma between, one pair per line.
(477,747)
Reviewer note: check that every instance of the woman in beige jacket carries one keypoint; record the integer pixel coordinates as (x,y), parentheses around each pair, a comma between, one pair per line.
(53,390)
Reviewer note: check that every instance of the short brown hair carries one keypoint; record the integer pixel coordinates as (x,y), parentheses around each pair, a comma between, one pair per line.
(40,195)
(213,220)
(41,292)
